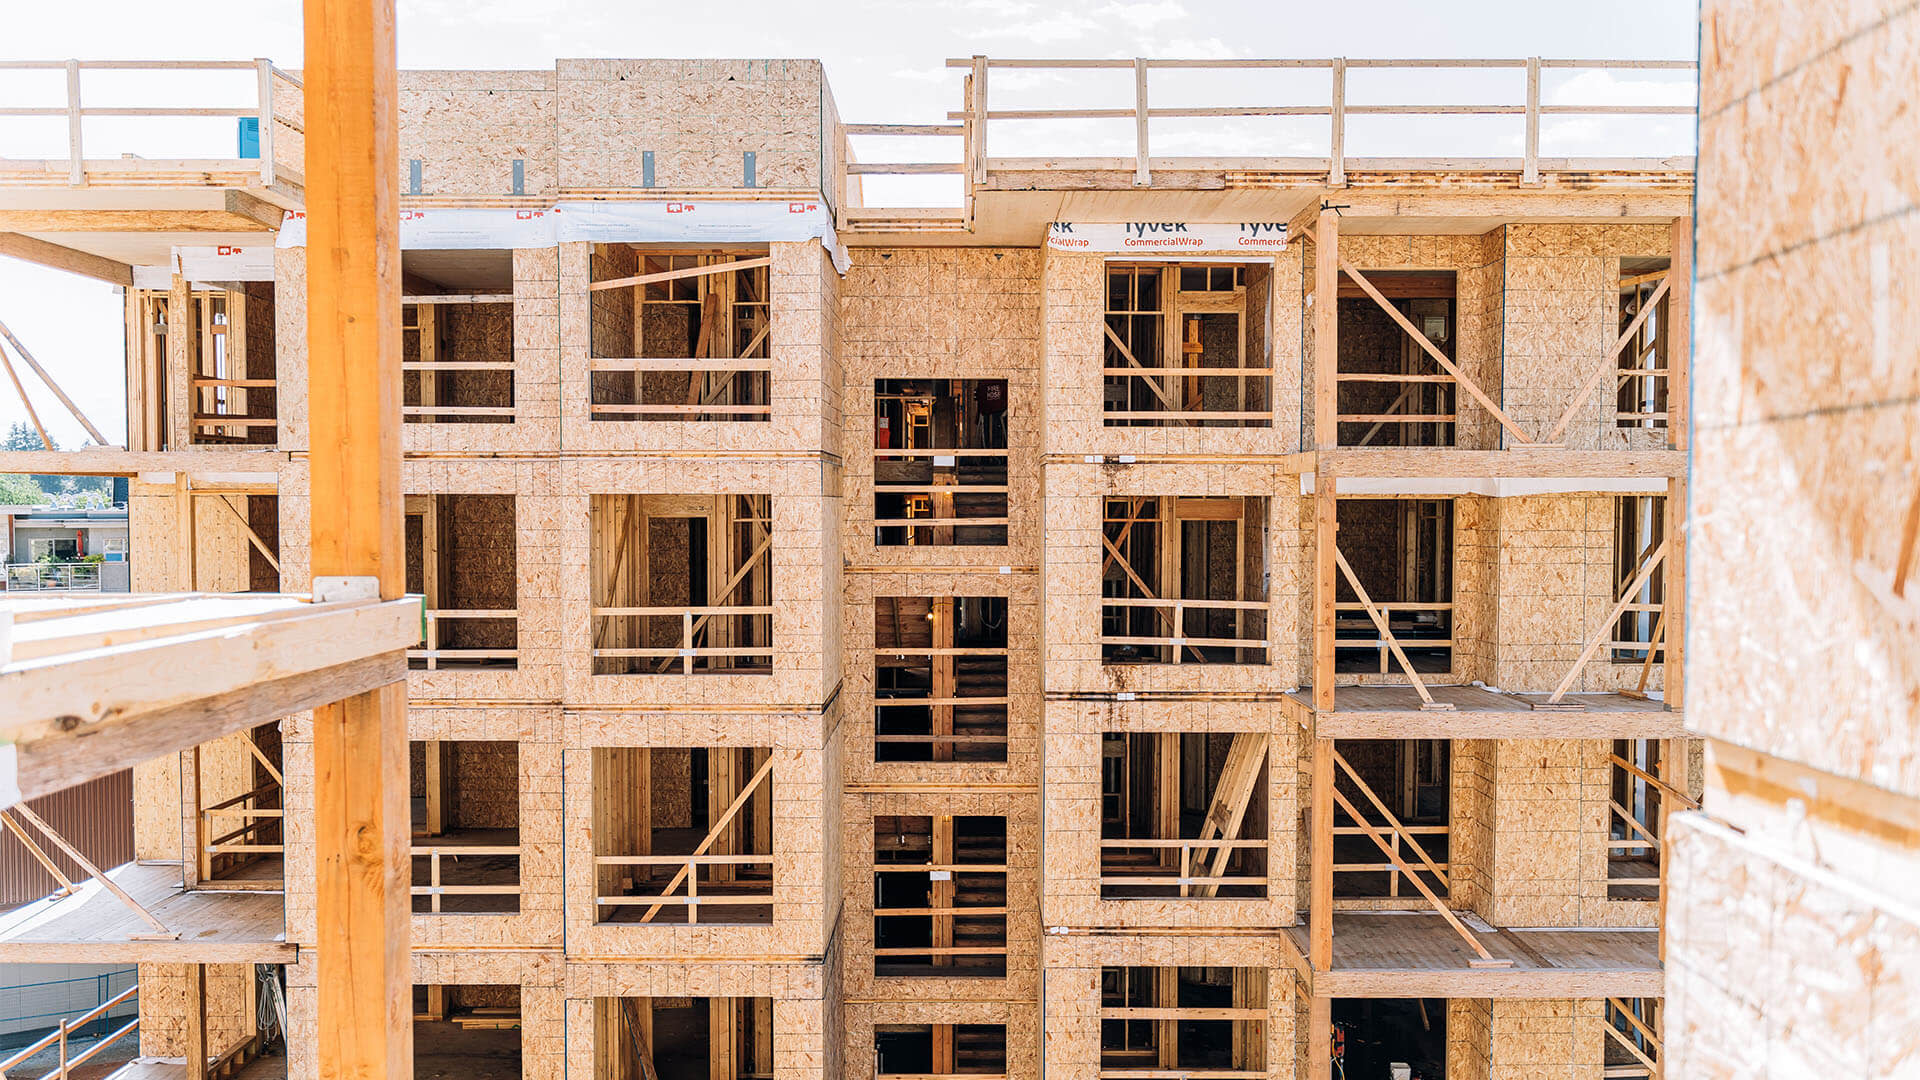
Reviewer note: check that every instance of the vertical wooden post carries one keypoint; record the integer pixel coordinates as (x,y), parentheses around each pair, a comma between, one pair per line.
(353,347)
(1320,1038)
(177,373)
(183,554)
(1673,592)
(1530,165)
(1326,330)
(196,1022)
(1142,174)
(1679,332)
(1320,854)
(1337,143)
(977,110)
(76,155)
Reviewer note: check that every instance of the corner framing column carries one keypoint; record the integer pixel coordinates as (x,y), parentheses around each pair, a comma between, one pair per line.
(1326,436)
(353,344)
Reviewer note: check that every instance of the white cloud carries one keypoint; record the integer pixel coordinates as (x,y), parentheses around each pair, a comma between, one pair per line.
(1059,26)
(1143,16)
(1604,87)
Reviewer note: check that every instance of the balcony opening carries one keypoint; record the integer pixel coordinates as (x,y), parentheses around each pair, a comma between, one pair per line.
(230,379)
(1391,392)
(940,678)
(1186,1021)
(1183,815)
(1639,527)
(457,337)
(241,796)
(940,896)
(1634,842)
(1402,791)
(1187,345)
(923,1051)
(1633,1044)
(1401,550)
(683,835)
(1641,396)
(1184,581)
(682,584)
(470,1032)
(464,801)
(683,1038)
(940,457)
(1398,1038)
(461,560)
(680,335)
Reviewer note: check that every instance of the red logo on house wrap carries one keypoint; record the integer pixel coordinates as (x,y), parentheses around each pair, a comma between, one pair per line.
(679,208)
(801,207)
(412,215)
(224,249)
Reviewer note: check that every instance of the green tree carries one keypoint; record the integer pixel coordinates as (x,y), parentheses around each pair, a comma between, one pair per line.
(19,490)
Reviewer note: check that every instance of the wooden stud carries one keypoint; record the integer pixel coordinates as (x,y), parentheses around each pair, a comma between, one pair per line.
(196,1067)
(1320,854)
(1673,595)
(1326,330)
(1680,334)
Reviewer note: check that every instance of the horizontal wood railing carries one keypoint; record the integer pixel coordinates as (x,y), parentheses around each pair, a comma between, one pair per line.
(83,172)
(436,889)
(1362,633)
(753,893)
(1178,608)
(1393,865)
(242,839)
(692,620)
(433,651)
(60,1035)
(1193,852)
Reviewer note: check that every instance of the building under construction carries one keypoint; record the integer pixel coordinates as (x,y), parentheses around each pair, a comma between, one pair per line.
(1159,617)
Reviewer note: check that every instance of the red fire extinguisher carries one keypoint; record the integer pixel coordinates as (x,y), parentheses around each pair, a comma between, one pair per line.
(883,434)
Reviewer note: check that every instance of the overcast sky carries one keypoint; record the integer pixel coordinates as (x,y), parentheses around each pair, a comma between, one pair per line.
(885,62)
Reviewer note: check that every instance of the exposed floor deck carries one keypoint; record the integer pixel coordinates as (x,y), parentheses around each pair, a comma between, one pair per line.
(266,1068)
(93,927)
(1395,954)
(1393,712)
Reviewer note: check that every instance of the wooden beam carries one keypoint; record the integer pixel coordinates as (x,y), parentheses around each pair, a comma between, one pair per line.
(255,209)
(1320,854)
(196,1065)
(362,866)
(252,537)
(72,260)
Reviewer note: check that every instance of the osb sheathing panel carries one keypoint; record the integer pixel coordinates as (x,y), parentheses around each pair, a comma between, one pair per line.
(1805,464)
(1562,315)
(1022,592)
(803,344)
(1075,351)
(1072,992)
(538,573)
(805,1020)
(290,345)
(166,1005)
(1477,315)
(466,128)
(1554,586)
(1021,1020)
(1075,502)
(535,731)
(806,857)
(1537,836)
(1541,1038)
(1021,984)
(943,313)
(220,560)
(806,602)
(697,117)
(1072,809)
(1469,1038)
(1779,965)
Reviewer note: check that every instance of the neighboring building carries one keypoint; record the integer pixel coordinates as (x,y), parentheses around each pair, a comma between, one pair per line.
(1083,631)
(50,547)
